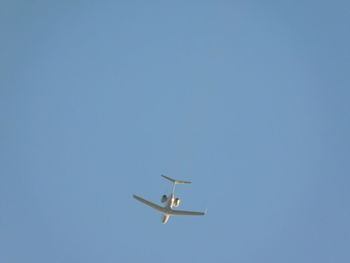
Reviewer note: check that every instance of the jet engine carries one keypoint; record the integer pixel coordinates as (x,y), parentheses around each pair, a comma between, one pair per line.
(164,198)
(177,202)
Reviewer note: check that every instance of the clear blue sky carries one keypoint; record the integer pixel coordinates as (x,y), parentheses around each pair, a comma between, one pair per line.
(248,100)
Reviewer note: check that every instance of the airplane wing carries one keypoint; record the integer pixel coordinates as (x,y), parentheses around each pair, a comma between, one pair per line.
(168,212)
(185,213)
(153,205)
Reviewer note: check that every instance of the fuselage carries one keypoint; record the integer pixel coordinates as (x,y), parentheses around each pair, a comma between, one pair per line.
(169,204)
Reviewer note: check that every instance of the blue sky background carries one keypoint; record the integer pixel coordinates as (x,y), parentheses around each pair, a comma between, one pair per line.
(249,100)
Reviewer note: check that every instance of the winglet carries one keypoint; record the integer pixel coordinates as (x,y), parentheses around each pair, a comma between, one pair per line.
(175,181)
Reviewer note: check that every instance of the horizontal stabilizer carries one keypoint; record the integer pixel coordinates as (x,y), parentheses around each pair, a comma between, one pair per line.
(175,181)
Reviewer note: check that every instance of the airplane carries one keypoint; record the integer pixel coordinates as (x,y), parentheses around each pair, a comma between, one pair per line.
(171,201)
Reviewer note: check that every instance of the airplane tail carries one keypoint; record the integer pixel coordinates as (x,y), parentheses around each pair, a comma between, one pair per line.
(175,181)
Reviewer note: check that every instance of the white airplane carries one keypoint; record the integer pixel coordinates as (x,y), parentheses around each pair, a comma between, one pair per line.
(171,201)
